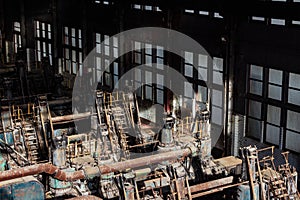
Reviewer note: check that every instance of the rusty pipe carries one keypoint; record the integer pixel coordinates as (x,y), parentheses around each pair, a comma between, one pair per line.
(70,117)
(41,168)
(147,160)
(58,174)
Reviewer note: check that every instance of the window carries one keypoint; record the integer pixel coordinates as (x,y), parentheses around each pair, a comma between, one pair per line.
(270,119)
(146,7)
(203,12)
(152,56)
(107,49)
(72,50)
(273,125)
(278,21)
(293,131)
(17,36)
(294,89)
(188,11)
(188,64)
(254,18)
(43,40)
(217,15)
(254,119)
(256,79)
(275,84)
(217,91)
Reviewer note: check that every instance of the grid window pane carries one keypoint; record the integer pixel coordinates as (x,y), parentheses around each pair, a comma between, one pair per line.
(202,73)
(275,76)
(273,115)
(217,98)
(294,80)
(188,57)
(294,97)
(255,109)
(256,72)
(272,134)
(275,92)
(202,60)
(256,87)
(254,128)
(292,141)
(293,119)
(188,70)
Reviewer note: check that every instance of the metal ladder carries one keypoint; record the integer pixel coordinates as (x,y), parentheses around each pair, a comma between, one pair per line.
(31,143)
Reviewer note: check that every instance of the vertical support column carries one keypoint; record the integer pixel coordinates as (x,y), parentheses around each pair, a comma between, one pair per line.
(55,36)
(23,23)
(229,81)
(2,41)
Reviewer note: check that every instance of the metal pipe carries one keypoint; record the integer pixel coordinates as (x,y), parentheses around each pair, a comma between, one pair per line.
(147,160)
(89,197)
(56,173)
(41,168)
(70,117)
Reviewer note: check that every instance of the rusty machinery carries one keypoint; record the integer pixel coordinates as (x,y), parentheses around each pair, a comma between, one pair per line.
(117,157)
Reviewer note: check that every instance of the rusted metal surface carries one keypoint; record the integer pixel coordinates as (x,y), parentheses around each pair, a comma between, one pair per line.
(218,189)
(56,173)
(70,117)
(143,161)
(210,184)
(47,168)
(89,197)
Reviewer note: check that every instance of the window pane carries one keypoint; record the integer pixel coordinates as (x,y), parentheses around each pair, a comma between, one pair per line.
(160,63)
(160,96)
(98,48)
(188,90)
(272,134)
(217,98)
(106,50)
(218,64)
(138,75)
(293,119)
(273,115)
(275,92)
(137,46)
(73,32)
(256,87)
(294,96)
(202,93)
(137,58)
(98,38)
(148,49)
(202,60)
(160,51)
(216,115)
(116,68)
(294,80)
(106,39)
(148,92)
(160,81)
(148,60)
(115,42)
(202,74)
(217,78)
(256,72)
(98,63)
(116,54)
(275,76)
(148,78)
(254,128)
(254,109)
(292,141)
(188,57)
(188,70)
